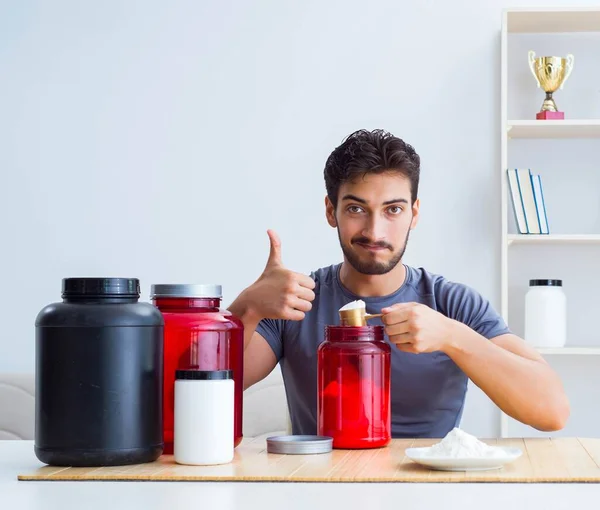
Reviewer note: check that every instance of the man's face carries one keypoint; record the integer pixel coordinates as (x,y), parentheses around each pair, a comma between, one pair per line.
(374,217)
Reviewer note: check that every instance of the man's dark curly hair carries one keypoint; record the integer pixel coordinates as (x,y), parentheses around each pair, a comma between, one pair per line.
(366,152)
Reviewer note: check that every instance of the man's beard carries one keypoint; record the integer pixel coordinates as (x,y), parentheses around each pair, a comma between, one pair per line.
(372,267)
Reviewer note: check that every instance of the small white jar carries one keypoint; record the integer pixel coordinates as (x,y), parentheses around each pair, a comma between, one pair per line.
(545,314)
(204,417)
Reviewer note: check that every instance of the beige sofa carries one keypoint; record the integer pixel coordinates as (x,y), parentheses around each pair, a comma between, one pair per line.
(265,406)
(16,406)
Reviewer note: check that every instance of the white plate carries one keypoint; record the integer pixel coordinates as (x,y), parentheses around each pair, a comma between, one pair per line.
(418,455)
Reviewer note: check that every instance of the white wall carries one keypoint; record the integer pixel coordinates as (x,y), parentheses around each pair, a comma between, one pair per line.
(161,139)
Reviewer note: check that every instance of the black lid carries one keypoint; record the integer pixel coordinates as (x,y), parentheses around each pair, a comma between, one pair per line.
(545,283)
(122,287)
(203,375)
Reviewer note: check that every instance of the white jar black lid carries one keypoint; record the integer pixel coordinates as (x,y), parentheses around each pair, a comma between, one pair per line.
(545,283)
(186,290)
(203,375)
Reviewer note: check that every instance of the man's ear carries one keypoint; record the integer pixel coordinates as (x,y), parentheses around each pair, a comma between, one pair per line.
(330,213)
(415,212)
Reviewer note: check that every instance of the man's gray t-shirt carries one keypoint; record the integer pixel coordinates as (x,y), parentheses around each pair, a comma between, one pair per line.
(427,390)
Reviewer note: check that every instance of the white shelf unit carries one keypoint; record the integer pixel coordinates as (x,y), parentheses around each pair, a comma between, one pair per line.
(552,20)
(586,128)
(552,238)
(540,21)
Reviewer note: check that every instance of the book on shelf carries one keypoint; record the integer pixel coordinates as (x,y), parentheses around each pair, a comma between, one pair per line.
(528,202)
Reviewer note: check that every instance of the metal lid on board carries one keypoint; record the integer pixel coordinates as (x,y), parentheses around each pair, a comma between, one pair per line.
(299,445)
(192,290)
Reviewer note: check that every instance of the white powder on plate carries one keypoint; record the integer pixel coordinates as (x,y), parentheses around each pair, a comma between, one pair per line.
(459,444)
(353,305)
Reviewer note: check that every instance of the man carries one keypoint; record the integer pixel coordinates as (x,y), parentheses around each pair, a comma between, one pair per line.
(444,332)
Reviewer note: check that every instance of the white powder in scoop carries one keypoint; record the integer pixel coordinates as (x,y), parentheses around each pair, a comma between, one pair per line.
(459,444)
(353,305)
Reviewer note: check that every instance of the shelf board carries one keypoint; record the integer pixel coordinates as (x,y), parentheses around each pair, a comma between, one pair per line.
(569,350)
(553,238)
(553,20)
(583,128)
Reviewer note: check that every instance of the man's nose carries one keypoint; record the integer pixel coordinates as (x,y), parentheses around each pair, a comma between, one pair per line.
(374,229)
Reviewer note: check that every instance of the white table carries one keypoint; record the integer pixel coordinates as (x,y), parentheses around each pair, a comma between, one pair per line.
(17,457)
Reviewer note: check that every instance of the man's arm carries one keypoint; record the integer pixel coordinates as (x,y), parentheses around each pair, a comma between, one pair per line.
(513,375)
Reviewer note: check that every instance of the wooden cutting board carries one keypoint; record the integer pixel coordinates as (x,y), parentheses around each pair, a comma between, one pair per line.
(543,460)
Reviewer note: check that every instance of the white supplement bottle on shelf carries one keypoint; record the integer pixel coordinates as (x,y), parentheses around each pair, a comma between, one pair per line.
(204,417)
(545,314)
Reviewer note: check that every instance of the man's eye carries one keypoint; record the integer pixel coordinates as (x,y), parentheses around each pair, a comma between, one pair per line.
(354,209)
(395,209)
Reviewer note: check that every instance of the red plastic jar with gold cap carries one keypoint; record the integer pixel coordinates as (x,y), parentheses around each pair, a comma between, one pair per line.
(198,335)
(353,387)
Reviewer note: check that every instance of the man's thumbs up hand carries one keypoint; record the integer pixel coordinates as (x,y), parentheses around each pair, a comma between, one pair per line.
(280,293)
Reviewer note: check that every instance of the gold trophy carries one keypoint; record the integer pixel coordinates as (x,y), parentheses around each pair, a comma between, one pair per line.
(551,73)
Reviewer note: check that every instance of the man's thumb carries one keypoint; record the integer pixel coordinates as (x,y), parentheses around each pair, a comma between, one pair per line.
(275,252)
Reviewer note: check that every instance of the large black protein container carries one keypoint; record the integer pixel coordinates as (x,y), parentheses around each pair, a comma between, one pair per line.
(98,376)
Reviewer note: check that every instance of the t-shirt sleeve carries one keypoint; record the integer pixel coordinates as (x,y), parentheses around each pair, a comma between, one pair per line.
(466,305)
(272,331)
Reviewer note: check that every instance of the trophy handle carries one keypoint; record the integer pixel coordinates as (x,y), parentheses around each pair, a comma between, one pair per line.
(570,61)
(531,55)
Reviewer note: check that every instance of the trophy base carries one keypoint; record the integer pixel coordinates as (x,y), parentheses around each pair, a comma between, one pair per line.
(548,115)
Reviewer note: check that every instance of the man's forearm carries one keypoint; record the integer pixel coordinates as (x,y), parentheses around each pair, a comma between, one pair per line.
(259,357)
(243,309)
(526,389)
